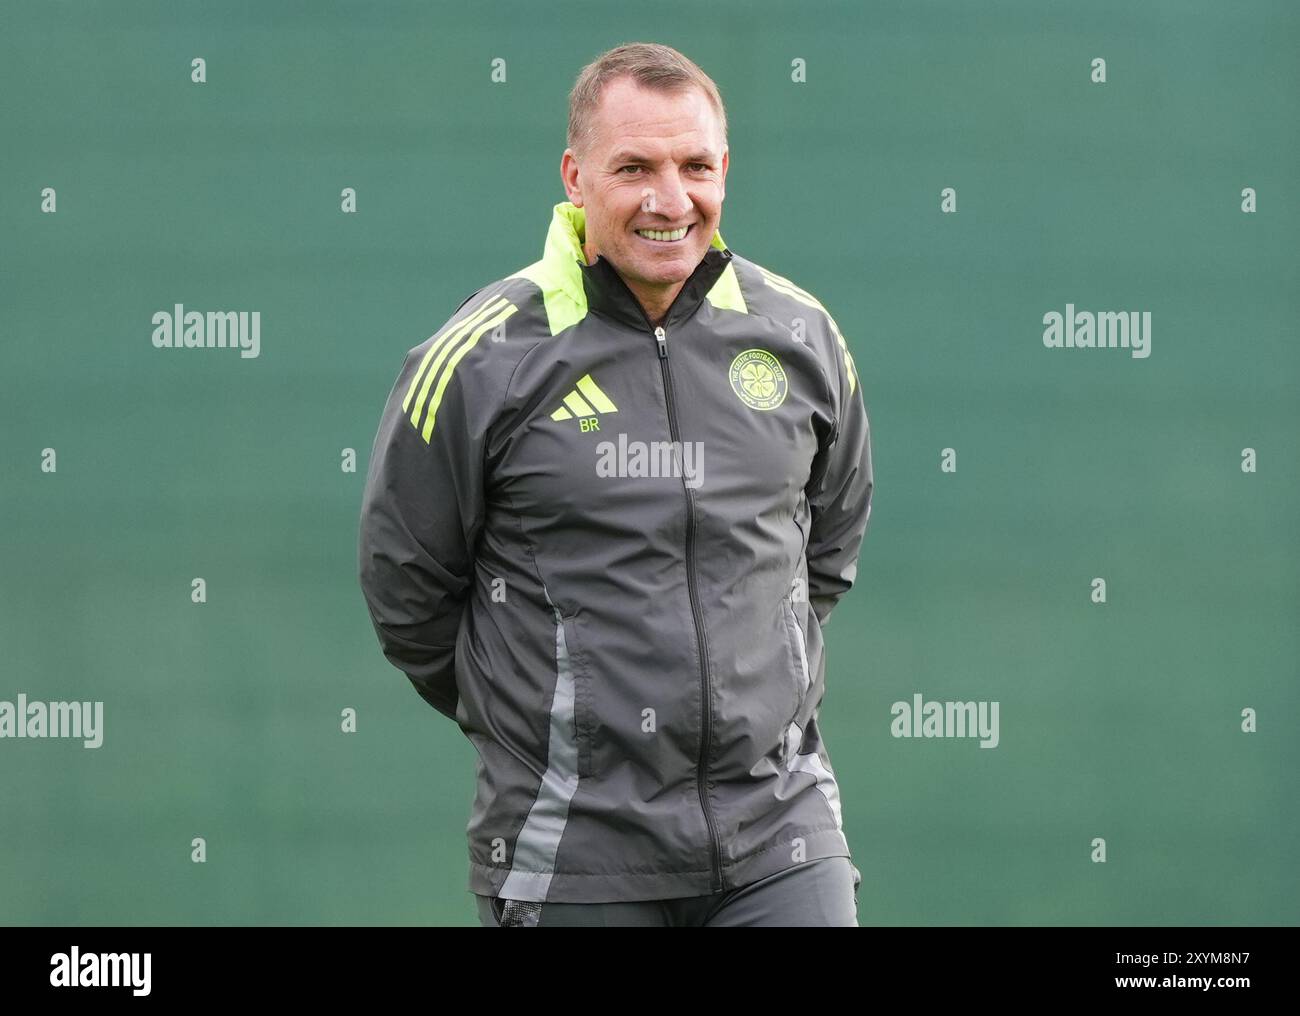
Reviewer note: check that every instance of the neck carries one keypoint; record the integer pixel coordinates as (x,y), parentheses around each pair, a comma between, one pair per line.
(655,301)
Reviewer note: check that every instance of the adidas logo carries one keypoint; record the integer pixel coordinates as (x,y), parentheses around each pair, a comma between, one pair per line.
(585,402)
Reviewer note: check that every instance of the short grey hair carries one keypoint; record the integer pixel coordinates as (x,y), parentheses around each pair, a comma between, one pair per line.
(651,65)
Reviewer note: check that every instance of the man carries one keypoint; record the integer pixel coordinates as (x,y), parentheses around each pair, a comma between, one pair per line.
(610,506)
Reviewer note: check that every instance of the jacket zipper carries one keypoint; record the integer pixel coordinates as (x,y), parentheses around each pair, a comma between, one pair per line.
(661,338)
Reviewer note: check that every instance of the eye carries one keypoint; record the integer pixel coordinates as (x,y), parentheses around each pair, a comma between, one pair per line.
(628,167)
(702,165)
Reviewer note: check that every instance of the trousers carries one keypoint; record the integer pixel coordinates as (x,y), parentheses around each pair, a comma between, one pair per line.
(815,894)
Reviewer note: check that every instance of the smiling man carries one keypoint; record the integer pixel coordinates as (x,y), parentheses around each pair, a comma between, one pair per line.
(649,169)
(631,641)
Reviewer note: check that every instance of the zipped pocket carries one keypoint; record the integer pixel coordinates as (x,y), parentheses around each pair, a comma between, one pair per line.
(571,709)
(798,654)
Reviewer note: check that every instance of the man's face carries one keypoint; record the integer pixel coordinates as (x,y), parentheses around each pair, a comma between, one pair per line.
(657,161)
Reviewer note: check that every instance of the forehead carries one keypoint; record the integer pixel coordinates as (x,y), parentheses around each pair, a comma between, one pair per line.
(633,119)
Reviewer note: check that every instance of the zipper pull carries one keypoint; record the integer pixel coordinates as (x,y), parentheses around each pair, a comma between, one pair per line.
(663,343)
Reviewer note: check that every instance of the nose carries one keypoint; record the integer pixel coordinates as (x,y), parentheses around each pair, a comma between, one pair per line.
(670,198)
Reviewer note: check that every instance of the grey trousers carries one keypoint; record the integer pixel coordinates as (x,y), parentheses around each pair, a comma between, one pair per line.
(816,894)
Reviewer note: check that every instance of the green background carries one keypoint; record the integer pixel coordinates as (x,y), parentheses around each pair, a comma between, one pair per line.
(222,720)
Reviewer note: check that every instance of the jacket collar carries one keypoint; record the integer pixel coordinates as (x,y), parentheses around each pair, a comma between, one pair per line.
(599,286)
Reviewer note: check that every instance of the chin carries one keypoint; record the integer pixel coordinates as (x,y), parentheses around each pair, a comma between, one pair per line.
(664,278)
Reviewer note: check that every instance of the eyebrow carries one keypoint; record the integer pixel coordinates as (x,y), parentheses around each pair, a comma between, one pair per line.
(626,155)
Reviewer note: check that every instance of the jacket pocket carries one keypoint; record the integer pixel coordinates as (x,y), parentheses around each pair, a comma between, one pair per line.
(798,656)
(573,684)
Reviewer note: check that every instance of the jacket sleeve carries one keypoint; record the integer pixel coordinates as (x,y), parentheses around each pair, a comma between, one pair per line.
(839,487)
(423,509)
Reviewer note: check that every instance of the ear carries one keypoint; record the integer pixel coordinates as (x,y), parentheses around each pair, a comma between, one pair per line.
(571,178)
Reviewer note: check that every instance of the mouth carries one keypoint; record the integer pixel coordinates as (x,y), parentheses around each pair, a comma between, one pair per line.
(664,238)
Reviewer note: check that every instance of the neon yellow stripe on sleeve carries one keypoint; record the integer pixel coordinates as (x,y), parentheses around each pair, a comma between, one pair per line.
(450,336)
(465,347)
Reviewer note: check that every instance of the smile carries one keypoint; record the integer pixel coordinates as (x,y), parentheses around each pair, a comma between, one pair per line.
(662,236)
